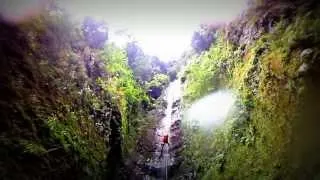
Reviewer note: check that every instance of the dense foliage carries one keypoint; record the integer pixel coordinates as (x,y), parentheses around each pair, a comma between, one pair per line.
(70,105)
(125,91)
(204,37)
(271,63)
(74,106)
(144,67)
(46,128)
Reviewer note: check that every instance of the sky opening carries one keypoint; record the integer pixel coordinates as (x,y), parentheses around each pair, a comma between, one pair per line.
(162,28)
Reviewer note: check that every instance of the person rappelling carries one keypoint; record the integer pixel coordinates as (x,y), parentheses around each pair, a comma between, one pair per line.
(164,141)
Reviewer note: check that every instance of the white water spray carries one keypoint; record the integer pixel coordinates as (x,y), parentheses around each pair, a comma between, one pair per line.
(173,93)
(212,110)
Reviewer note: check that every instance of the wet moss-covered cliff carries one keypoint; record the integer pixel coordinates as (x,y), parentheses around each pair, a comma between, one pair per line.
(70,107)
(269,57)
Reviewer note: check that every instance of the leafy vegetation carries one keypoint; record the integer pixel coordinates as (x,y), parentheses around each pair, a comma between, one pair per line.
(159,80)
(74,106)
(144,66)
(203,38)
(76,135)
(271,76)
(208,72)
(64,99)
(48,127)
(125,92)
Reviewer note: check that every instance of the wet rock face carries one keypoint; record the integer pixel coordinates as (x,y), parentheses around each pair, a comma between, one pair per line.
(176,143)
(154,167)
(115,159)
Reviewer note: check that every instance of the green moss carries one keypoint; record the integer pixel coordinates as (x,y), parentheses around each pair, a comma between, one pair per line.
(76,134)
(209,71)
(47,127)
(257,141)
(33,147)
(159,80)
(125,91)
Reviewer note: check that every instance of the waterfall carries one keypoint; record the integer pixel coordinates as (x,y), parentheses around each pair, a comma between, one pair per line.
(171,95)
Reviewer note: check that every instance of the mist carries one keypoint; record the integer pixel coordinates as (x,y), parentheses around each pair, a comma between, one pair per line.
(212,110)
